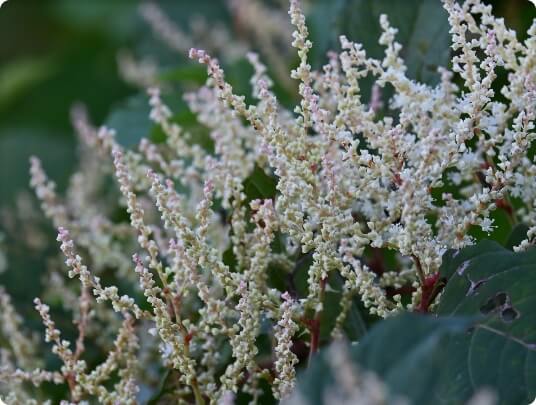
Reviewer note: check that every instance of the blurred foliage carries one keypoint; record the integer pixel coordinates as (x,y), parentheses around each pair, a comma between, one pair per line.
(52,54)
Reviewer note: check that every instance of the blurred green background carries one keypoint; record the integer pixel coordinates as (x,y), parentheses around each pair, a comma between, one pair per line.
(53,54)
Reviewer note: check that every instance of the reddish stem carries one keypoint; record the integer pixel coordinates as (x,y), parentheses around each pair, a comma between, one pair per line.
(431,287)
(505,205)
(85,301)
(314,325)
(376,262)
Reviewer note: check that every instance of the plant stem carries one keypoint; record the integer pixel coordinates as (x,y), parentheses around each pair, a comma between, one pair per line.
(315,336)
(197,394)
(85,301)
(314,325)
(420,272)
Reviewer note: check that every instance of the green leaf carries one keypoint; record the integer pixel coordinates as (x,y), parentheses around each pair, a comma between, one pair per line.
(499,285)
(484,336)
(324,22)
(409,354)
(131,120)
(259,185)
(518,234)
(165,386)
(423,31)
(406,352)
(97,15)
(181,13)
(194,73)
(355,325)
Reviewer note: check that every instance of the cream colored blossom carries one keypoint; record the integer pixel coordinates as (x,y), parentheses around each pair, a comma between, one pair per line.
(350,176)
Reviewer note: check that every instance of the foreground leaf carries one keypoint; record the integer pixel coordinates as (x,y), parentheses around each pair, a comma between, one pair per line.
(484,336)
(406,352)
(499,285)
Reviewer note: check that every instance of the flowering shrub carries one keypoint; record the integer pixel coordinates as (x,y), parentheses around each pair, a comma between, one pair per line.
(244,255)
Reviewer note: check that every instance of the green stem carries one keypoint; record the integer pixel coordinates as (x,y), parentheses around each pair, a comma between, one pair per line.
(199,400)
(420,272)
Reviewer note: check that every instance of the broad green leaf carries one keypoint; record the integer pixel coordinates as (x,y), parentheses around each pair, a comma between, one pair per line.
(162,389)
(484,336)
(518,234)
(131,120)
(324,23)
(259,185)
(355,325)
(406,352)
(423,31)
(500,286)
(182,14)
(194,73)
(132,123)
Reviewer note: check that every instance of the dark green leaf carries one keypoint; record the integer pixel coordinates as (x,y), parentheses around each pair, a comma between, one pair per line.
(499,285)
(260,185)
(518,234)
(195,73)
(485,336)
(407,352)
(423,30)
(131,121)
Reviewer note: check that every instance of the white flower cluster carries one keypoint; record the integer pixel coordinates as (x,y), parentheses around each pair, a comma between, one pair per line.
(351,177)
(285,359)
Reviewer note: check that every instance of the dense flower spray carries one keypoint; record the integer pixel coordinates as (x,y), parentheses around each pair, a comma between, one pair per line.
(350,176)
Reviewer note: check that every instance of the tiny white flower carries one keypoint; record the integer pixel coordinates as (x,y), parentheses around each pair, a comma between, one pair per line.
(487,225)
